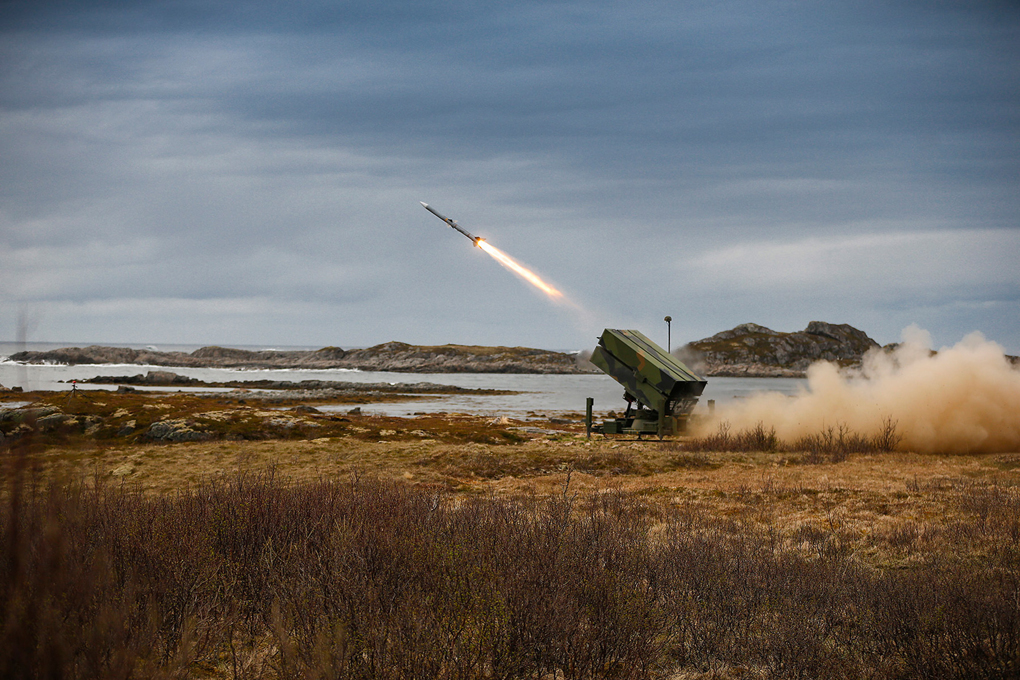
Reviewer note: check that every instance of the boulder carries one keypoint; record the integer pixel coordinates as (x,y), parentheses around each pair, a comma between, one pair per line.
(21,415)
(179,430)
(53,421)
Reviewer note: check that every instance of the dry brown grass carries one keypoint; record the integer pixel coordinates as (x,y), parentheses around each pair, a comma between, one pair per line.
(247,576)
(769,564)
(868,496)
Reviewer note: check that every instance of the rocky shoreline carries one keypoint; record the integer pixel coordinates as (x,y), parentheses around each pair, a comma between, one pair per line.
(288,390)
(395,357)
(746,351)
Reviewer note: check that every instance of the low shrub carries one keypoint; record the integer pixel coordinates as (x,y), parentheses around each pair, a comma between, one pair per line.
(251,577)
(832,444)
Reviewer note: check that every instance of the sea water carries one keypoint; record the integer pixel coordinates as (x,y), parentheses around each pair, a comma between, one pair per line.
(533,394)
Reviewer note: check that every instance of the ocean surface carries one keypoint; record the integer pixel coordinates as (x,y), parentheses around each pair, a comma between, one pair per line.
(536,394)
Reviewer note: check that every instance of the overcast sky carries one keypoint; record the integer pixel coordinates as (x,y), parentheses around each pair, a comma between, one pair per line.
(250,173)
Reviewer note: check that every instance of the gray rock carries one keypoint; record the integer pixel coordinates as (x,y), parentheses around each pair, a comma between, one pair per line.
(21,415)
(176,431)
(92,425)
(52,422)
(160,377)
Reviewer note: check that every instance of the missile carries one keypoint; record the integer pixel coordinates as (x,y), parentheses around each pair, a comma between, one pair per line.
(452,223)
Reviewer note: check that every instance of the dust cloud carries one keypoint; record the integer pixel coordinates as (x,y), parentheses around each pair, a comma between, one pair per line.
(964,399)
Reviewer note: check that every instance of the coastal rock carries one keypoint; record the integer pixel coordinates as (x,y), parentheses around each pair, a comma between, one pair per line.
(166,378)
(155,378)
(751,350)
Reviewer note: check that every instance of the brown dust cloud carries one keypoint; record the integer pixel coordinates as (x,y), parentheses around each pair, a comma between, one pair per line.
(962,399)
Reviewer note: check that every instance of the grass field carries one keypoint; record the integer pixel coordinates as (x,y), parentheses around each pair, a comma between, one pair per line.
(291,543)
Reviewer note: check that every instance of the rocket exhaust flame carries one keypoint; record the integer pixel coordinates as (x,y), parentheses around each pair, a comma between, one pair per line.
(521,271)
(499,256)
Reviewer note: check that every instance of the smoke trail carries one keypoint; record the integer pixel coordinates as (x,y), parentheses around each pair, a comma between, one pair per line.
(964,399)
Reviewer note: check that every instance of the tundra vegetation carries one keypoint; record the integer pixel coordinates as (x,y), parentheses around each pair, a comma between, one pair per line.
(282,543)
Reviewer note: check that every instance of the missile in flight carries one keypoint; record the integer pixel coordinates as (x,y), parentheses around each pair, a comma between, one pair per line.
(452,223)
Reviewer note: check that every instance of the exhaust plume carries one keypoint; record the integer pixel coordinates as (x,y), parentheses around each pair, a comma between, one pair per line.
(964,399)
(519,269)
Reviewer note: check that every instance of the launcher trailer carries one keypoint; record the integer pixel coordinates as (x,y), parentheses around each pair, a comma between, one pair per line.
(660,390)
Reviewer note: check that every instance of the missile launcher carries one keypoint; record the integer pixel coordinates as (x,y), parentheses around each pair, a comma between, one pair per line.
(660,390)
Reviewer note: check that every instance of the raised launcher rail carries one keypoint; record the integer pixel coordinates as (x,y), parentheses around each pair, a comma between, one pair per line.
(665,390)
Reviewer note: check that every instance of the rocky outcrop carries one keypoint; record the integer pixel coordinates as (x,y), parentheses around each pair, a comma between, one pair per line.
(152,378)
(390,356)
(18,422)
(750,350)
(27,415)
(177,430)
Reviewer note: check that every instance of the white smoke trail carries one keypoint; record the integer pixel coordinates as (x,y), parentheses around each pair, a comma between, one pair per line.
(964,399)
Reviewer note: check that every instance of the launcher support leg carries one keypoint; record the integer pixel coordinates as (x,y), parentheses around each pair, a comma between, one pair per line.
(589,402)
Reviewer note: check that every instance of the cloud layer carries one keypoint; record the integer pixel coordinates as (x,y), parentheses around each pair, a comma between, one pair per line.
(245,174)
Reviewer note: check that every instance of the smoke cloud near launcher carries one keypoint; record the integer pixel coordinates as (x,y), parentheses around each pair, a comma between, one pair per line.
(962,399)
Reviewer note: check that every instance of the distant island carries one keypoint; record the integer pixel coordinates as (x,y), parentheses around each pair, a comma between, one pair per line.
(396,357)
(747,351)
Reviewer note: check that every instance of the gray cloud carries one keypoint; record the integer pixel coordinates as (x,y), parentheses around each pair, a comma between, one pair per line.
(747,161)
